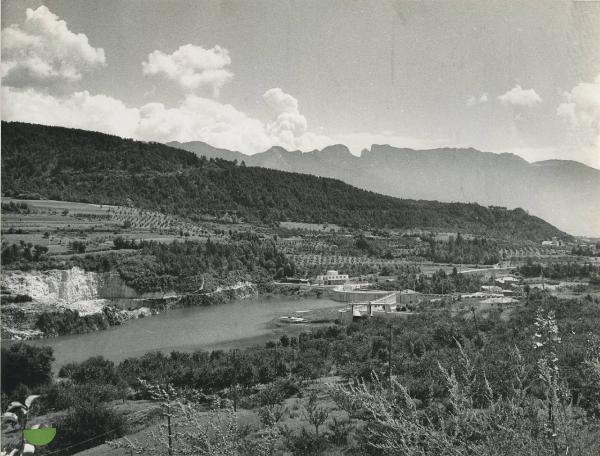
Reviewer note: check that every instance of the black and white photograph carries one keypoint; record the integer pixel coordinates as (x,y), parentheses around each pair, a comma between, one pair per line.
(300,227)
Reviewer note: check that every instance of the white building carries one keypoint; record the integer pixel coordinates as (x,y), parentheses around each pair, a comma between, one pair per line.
(507,280)
(499,301)
(555,242)
(491,289)
(332,278)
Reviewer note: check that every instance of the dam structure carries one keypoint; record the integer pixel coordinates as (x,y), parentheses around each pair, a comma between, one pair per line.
(372,303)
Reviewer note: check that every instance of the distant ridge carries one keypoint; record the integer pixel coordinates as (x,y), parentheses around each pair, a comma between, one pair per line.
(564,192)
(77,165)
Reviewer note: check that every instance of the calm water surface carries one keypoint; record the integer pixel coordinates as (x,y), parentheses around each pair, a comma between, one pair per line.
(182,329)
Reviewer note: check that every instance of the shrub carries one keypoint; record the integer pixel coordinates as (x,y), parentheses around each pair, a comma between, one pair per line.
(26,364)
(339,431)
(271,414)
(90,424)
(18,298)
(65,395)
(69,322)
(277,391)
(93,370)
(304,444)
(78,246)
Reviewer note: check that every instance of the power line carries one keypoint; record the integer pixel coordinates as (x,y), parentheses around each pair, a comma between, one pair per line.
(98,435)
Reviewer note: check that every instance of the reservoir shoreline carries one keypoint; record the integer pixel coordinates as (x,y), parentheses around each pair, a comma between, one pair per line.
(236,324)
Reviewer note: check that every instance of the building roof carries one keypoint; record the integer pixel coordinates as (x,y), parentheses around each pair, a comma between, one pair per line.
(408,291)
(503,300)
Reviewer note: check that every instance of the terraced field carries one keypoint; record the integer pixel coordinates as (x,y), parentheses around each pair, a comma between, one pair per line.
(57,224)
(340,261)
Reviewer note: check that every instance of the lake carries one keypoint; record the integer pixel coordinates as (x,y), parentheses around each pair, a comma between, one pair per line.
(238,323)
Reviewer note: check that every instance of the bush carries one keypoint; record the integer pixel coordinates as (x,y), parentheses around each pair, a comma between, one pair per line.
(18,298)
(278,391)
(121,243)
(69,322)
(305,444)
(65,395)
(25,364)
(86,426)
(339,431)
(93,370)
(78,246)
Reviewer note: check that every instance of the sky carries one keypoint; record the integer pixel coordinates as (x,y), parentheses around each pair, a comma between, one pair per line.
(500,76)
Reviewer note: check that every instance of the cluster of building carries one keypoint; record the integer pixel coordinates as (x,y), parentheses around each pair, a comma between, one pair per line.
(363,301)
(555,242)
(503,292)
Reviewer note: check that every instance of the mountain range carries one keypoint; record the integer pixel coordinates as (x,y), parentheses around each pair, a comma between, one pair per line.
(77,165)
(565,193)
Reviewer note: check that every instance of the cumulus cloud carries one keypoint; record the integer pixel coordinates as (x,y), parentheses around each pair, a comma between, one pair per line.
(289,128)
(473,101)
(44,53)
(193,68)
(223,125)
(77,110)
(198,118)
(288,124)
(279,101)
(195,118)
(581,109)
(517,96)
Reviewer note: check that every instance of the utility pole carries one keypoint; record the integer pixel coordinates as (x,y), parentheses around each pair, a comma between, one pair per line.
(169,427)
(390,357)
(543,284)
(235,377)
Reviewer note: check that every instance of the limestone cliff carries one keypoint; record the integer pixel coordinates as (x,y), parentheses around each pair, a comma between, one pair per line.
(57,302)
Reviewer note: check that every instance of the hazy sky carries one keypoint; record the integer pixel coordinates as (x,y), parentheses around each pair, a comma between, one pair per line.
(501,76)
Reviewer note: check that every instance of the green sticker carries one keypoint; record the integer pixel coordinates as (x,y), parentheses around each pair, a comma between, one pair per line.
(40,436)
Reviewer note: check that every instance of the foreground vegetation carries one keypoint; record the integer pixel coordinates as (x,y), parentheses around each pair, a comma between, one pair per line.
(460,384)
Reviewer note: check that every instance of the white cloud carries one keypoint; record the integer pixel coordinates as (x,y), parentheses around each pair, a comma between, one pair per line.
(195,118)
(77,110)
(517,96)
(44,53)
(289,128)
(193,68)
(472,100)
(288,123)
(203,119)
(222,125)
(581,109)
(279,101)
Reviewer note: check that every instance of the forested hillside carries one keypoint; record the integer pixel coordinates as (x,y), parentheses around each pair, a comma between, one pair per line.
(67,164)
(561,192)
